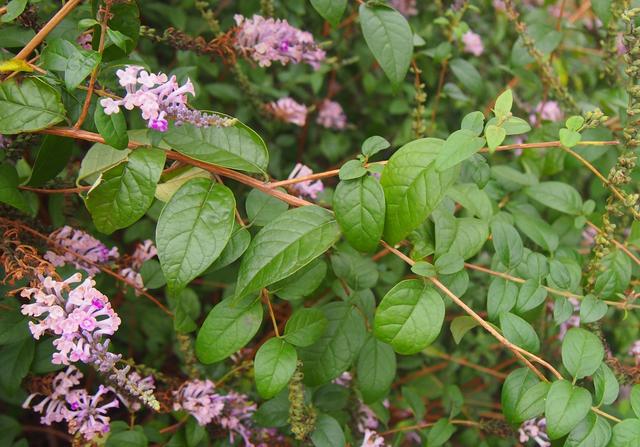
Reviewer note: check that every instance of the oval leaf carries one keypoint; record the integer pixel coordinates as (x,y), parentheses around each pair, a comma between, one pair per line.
(274,364)
(582,352)
(28,106)
(565,407)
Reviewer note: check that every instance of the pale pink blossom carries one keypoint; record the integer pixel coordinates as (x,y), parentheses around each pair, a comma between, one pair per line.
(308,188)
(200,399)
(407,8)
(536,430)
(83,244)
(54,406)
(86,415)
(289,111)
(331,115)
(84,40)
(548,111)
(634,351)
(472,43)
(373,439)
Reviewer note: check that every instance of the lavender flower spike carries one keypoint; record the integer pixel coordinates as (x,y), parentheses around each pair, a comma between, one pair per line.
(85,245)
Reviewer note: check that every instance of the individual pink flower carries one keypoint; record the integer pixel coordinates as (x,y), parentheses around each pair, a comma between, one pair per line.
(331,115)
(548,111)
(407,8)
(308,187)
(83,244)
(373,439)
(620,46)
(54,406)
(472,43)
(536,430)
(200,399)
(289,111)
(589,236)
(84,40)
(274,40)
(634,351)
(85,414)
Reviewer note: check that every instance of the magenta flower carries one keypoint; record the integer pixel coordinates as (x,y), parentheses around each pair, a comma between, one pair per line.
(548,111)
(331,115)
(274,40)
(307,188)
(536,430)
(84,40)
(289,111)
(472,43)
(82,244)
(407,8)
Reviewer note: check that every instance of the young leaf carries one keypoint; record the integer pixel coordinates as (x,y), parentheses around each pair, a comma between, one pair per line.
(274,364)
(113,128)
(305,326)
(501,297)
(503,104)
(565,407)
(125,192)
(28,106)
(373,145)
(519,332)
(523,396)
(460,145)
(229,326)
(495,136)
(330,10)
(582,352)
(351,170)
(389,38)
(193,229)
(376,369)
(606,386)
(68,58)
(409,316)
(461,325)
(508,244)
(285,245)
(569,138)
(473,122)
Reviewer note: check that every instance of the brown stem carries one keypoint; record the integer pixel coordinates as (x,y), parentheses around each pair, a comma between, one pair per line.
(429,424)
(79,189)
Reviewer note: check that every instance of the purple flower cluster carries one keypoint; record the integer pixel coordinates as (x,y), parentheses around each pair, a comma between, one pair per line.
(331,115)
(232,411)
(159,98)
(83,244)
(472,43)
(536,430)
(289,111)
(407,8)
(82,411)
(274,40)
(307,188)
(548,111)
(143,252)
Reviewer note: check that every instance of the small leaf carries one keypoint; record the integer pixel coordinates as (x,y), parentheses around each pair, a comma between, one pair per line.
(424,268)
(606,386)
(440,433)
(530,296)
(634,398)
(352,169)
(508,244)
(519,332)
(449,263)
(592,309)
(501,297)
(70,59)
(523,396)
(9,192)
(274,364)
(113,128)
(373,145)
(565,407)
(473,122)
(503,104)
(495,136)
(330,10)
(460,145)
(305,327)
(13,9)
(574,123)
(569,138)
(582,352)
(328,432)
(461,325)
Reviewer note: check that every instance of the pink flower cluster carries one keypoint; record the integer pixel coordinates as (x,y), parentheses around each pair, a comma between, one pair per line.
(548,111)
(274,40)
(143,252)
(407,8)
(307,188)
(331,115)
(82,244)
(82,411)
(159,98)
(472,43)
(232,411)
(289,111)
(535,429)
(77,315)
(373,439)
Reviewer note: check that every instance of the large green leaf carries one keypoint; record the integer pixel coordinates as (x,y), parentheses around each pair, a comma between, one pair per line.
(413,187)
(334,352)
(193,229)
(230,325)
(582,352)
(376,369)
(125,192)
(330,10)
(9,192)
(68,58)
(274,364)
(16,359)
(565,407)
(284,246)
(626,433)
(53,155)
(409,316)
(389,38)
(359,208)
(28,106)
(592,431)
(557,195)
(235,147)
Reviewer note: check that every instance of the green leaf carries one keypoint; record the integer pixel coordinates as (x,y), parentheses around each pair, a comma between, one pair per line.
(626,434)
(193,229)
(99,158)
(634,399)
(523,396)
(376,369)
(53,155)
(449,263)
(440,433)
(353,169)
(285,245)
(389,38)
(569,138)
(128,438)
(274,364)
(519,332)
(558,196)
(503,104)
(574,123)
(175,179)
(508,244)
(16,358)
(373,145)
(501,297)
(113,128)
(28,106)
(14,9)
(530,296)
(592,431)
(328,432)
(330,10)
(474,199)
(606,386)
(615,274)
(120,40)
(537,230)
(237,245)
(592,309)
(424,268)
(235,147)
(461,325)
(602,9)
(413,187)
(513,125)
(230,325)
(9,430)
(336,350)
(65,57)
(9,192)
(305,327)
(302,283)
(463,236)
(582,352)
(495,136)
(460,145)
(126,191)
(360,211)
(473,122)
(468,76)
(263,208)
(565,407)
(409,316)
